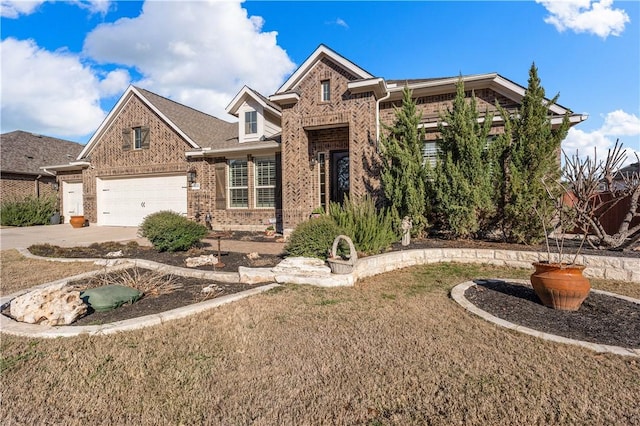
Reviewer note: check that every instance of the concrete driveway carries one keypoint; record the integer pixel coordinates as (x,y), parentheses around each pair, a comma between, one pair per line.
(65,235)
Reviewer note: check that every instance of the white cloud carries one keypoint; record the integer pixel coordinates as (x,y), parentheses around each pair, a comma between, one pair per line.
(198,53)
(47,92)
(339,22)
(596,17)
(15,8)
(617,125)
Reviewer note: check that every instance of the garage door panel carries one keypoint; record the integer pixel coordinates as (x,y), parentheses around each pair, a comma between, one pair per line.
(126,202)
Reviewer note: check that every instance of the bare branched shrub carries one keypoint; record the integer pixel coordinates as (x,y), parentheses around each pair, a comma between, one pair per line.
(596,188)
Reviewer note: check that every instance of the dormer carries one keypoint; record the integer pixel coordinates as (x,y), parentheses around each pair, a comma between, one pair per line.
(258,117)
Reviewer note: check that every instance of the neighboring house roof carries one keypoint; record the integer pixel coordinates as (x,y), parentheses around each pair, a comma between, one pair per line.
(628,172)
(25,153)
(197,128)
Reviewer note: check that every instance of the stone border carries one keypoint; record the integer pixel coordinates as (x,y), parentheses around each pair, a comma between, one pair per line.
(457,293)
(9,326)
(607,267)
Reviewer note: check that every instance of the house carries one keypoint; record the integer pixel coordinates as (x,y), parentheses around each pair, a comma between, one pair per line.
(311,142)
(22,156)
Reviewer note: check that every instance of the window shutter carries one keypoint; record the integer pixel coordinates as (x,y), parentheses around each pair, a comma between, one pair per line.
(126,139)
(221,185)
(145,137)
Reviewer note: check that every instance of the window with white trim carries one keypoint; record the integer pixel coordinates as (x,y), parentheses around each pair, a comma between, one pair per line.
(238,184)
(430,153)
(137,138)
(250,122)
(325,91)
(265,182)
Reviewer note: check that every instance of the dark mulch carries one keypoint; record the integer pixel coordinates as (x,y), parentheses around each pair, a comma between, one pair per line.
(231,260)
(189,293)
(601,319)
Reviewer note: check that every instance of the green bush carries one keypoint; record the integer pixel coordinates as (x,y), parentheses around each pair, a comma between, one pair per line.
(169,231)
(313,238)
(27,212)
(370,229)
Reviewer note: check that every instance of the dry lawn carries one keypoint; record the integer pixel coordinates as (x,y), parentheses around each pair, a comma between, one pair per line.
(19,272)
(395,349)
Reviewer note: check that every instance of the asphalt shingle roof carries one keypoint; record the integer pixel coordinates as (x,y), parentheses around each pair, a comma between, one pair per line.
(24,152)
(204,129)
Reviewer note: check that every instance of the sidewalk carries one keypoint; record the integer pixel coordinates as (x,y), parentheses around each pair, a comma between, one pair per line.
(65,235)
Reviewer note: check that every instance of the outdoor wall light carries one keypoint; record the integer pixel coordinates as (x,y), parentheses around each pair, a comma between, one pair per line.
(55,186)
(191,177)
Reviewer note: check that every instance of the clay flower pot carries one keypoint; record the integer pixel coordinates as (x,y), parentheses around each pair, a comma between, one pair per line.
(76,221)
(560,285)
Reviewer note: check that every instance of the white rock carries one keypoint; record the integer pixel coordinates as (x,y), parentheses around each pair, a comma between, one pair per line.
(255,275)
(53,305)
(210,289)
(194,262)
(112,254)
(302,265)
(253,255)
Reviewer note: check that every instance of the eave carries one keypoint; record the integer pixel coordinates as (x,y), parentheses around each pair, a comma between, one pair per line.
(268,146)
(376,85)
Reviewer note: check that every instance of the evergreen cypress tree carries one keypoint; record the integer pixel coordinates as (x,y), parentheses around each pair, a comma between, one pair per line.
(403,175)
(462,188)
(530,154)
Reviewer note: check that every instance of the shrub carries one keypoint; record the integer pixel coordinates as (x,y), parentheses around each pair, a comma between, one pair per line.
(27,212)
(313,238)
(370,229)
(169,231)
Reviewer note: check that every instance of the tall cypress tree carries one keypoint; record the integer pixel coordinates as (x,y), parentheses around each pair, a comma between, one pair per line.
(462,189)
(403,174)
(530,154)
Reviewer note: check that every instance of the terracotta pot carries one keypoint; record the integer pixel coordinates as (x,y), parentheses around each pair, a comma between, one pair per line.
(76,221)
(560,286)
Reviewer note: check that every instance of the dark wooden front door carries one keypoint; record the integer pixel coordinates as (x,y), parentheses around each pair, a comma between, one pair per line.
(339,175)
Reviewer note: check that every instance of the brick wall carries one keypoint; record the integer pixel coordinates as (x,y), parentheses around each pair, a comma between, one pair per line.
(16,186)
(308,127)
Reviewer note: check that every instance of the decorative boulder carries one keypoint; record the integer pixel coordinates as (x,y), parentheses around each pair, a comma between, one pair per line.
(53,305)
(109,297)
(194,262)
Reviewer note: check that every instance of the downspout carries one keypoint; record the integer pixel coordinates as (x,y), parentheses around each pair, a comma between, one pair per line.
(385,97)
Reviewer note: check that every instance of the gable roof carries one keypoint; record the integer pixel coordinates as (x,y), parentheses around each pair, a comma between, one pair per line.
(25,153)
(248,92)
(322,52)
(196,127)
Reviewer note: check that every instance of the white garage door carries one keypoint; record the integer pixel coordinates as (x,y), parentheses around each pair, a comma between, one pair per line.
(126,202)
(72,204)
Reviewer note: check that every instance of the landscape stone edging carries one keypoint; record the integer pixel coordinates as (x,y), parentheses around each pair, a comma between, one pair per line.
(9,326)
(457,294)
(607,267)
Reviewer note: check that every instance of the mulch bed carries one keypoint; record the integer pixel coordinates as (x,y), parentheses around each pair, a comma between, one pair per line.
(231,260)
(601,319)
(189,293)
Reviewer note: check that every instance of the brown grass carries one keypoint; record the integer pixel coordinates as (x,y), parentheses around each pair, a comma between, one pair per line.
(19,272)
(395,349)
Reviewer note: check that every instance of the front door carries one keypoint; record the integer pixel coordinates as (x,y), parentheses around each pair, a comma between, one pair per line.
(339,175)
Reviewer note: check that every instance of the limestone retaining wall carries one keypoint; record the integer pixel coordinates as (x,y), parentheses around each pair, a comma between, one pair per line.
(607,267)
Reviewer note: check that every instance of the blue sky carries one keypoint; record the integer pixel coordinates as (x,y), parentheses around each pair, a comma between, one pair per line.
(65,64)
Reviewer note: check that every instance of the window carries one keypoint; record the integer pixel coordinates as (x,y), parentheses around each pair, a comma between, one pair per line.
(265,182)
(137,138)
(238,184)
(430,153)
(250,122)
(326,91)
